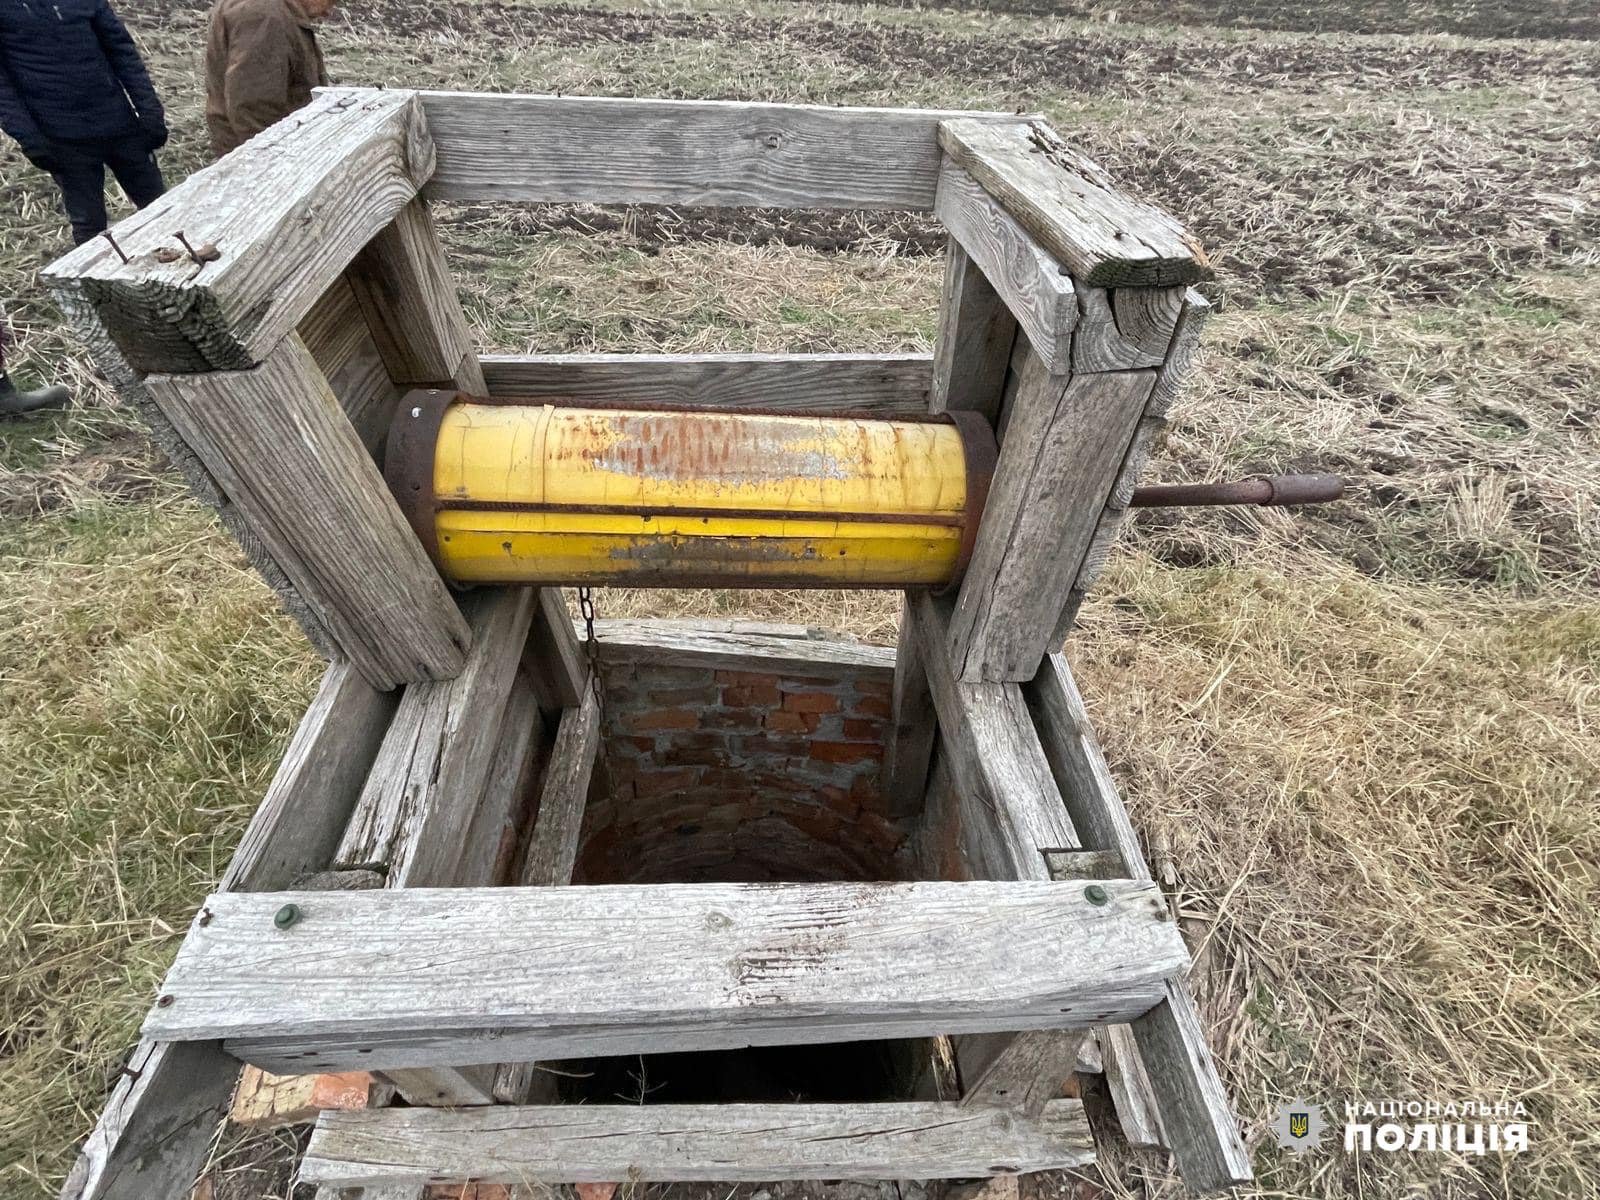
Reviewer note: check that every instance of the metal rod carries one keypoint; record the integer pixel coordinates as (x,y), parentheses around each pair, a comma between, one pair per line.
(1273,490)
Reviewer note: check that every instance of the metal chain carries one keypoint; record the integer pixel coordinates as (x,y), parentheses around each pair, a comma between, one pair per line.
(591,650)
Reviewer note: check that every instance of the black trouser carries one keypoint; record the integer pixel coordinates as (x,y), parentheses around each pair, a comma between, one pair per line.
(80,172)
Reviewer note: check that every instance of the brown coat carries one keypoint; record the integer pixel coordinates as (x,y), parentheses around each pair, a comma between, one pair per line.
(262,60)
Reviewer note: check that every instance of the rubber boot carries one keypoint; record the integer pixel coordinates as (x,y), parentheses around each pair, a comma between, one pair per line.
(14,403)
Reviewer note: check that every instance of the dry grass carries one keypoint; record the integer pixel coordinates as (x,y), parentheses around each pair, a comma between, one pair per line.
(1365,738)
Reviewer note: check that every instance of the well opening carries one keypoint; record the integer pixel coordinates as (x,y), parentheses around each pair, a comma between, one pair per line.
(719,775)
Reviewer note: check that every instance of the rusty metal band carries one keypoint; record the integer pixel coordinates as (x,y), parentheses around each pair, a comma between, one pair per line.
(408,459)
(981,452)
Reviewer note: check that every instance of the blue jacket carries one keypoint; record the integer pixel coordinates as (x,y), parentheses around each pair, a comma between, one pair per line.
(69,72)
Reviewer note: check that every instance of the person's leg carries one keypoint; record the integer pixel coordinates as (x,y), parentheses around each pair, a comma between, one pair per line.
(14,402)
(136,170)
(81,175)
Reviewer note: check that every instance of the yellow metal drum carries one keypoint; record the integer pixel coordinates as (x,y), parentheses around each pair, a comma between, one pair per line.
(542,493)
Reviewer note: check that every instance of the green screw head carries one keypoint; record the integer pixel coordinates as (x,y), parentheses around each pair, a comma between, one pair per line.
(286,916)
(1094,894)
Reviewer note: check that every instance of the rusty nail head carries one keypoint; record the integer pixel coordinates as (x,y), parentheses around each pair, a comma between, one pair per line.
(286,916)
(1095,894)
(164,1001)
(106,233)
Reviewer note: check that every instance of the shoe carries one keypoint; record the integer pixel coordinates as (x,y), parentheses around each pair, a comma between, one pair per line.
(14,403)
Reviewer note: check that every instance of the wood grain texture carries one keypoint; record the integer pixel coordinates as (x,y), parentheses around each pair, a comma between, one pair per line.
(449,1087)
(554,659)
(591,150)
(424,789)
(706,964)
(1105,237)
(153,1134)
(508,790)
(877,384)
(1028,1073)
(336,335)
(1195,1113)
(718,646)
(1178,366)
(1121,329)
(679,1142)
(277,441)
(913,726)
(129,384)
(404,288)
(1027,279)
(1063,445)
(303,815)
(554,848)
(288,212)
(1012,811)
(974,340)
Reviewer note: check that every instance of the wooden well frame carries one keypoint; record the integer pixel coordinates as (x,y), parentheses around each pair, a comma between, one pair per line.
(269,376)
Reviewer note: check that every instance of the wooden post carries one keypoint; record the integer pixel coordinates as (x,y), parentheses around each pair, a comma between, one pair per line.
(275,438)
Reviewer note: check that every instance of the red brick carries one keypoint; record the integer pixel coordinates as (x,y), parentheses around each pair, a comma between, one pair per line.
(705,694)
(881,833)
(658,783)
(664,718)
(868,686)
(864,788)
(751,695)
(838,799)
(811,702)
(737,719)
(787,722)
(863,730)
(748,678)
(873,706)
(692,756)
(845,752)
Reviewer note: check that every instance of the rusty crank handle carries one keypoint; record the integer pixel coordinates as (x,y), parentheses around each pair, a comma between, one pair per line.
(1277,490)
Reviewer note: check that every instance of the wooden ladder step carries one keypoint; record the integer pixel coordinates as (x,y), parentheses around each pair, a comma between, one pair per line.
(565,1143)
(453,976)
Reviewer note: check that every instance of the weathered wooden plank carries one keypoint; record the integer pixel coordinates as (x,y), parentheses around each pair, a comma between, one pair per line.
(491,841)
(680,1142)
(405,290)
(1105,237)
(880,384)
(1028,1073)
(444,1086)
(424,789)
(276,440)
(676,643)
(592,150)
(339,171)
(973,344)
(1039,296)
(1064,443)
(554,848)
(1012,811)
(158,1122)
(129,384)
(1121,329)
(303,815)
(718,963)
(1195,1114)
(336,335)
(913,726)
(554,659)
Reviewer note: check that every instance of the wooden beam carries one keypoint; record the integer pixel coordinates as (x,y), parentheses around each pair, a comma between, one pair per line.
(554,848)
(1028,1074)
(424,789)
(1105,237)
(741,646)
(554,659)
(1195,1113)
(489,849)
(1174,371)
(129,384)
(336,335)
(913,726)
(1039,296)
(287,213)
(152,1136)
(973,345)
(405,289)
(693,1142)
(590,150)
(693,966)
(887,385)
(1064,443)
(1123,329)
(276,440)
